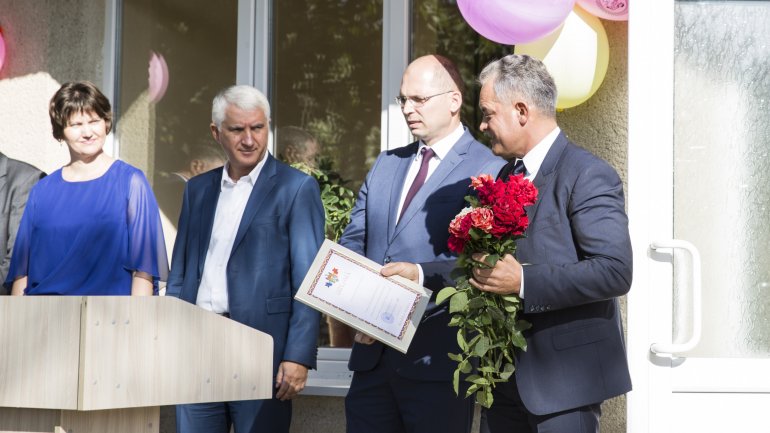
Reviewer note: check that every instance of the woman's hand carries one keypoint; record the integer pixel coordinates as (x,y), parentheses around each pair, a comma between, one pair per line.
(141,284)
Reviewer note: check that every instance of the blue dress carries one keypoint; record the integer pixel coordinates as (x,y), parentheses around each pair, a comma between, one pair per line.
(87,238)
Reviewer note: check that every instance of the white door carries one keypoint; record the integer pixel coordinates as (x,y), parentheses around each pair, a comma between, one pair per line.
(699,192)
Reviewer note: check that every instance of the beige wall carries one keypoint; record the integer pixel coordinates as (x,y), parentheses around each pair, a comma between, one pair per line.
(48,43)
(51,41)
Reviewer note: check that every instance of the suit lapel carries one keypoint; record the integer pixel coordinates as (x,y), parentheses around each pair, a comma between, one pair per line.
(436,180)
(396,187)
(263,187)
(209,200)
(545,173)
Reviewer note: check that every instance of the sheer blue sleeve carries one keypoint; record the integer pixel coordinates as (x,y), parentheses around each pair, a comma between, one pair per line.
(146,246)
(20,257)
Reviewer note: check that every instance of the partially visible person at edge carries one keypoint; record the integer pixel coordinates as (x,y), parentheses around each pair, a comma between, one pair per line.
(569,270)
(16,180)
(401,220)
(248,234)
(169,186)
(93,226)
(298,146)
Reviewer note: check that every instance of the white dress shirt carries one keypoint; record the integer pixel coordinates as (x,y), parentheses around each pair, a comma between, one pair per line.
(233,196)
(440,149)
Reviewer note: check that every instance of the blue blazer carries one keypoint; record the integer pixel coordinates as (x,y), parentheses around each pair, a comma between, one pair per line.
(577,260)
(419,237)
(279,235)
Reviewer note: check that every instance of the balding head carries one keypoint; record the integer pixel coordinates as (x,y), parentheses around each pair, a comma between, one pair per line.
(433,91)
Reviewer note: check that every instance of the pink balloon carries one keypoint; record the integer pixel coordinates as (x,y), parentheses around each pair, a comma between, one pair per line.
(158,79)
(2,50)
(616,10)
(514,22)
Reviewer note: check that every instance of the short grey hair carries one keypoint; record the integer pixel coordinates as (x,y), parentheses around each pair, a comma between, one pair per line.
(242,96)
(519,75)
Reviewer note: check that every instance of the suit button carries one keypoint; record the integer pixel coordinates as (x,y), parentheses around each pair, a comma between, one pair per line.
(387,260)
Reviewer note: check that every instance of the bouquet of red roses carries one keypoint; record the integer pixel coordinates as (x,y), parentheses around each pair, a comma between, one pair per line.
(489,328)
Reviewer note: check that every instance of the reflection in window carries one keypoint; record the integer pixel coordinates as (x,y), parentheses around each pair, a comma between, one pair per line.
(325,94)
(188,49)
(439,28)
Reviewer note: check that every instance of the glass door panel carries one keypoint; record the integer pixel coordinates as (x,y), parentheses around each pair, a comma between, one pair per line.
(722,171)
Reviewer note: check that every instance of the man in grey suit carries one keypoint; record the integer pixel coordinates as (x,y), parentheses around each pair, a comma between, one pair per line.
(16,180)
(570,269)
(401,219)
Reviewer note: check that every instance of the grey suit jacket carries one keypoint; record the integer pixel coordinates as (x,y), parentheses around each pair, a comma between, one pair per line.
(16,180)
(420,236)
(577,261)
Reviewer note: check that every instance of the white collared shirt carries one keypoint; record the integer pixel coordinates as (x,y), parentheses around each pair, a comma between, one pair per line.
(441,148)
(532,162)
(233,196)
(535,157)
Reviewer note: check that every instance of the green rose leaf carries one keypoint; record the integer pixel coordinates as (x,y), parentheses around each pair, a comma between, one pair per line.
(445,294)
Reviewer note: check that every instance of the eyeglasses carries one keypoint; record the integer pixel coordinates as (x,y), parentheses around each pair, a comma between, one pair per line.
(418,101)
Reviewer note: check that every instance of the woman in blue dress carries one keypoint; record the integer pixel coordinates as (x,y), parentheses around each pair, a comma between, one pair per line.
(93,226)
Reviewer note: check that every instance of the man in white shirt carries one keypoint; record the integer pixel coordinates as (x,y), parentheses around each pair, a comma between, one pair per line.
(247,235)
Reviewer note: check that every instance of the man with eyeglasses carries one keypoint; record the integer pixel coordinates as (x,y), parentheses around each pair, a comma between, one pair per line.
(401,219)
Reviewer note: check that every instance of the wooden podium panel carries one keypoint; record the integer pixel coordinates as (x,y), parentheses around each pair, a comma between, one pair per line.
(143,351)
(39,351)
(101,364)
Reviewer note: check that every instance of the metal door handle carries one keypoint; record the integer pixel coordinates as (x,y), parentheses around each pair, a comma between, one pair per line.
(677,348)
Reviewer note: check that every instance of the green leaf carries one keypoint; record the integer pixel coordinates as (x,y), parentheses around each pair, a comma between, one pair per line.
(481,347)
(455,357)
(458,302)
(456,382)
(456,320)
(507,371)
(491,260)
(476,303)
(496,314)
(471,389)
(465,366)
(461,340)
(472,200)
(445,294)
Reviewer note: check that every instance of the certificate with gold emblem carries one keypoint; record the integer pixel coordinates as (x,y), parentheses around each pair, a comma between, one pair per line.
(349,288)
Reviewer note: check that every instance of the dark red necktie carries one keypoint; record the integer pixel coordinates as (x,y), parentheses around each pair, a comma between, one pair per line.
(427,154)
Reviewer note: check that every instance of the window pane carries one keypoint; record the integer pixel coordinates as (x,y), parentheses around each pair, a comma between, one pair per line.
(160,132)
(439,28)
(325,93)
(327,79)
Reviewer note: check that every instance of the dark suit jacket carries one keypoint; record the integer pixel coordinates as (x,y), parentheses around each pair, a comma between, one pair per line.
(419,237)
(16,180)
(279,235)
(577,261)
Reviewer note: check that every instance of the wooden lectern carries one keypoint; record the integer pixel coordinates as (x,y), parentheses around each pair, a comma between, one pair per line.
(103,364)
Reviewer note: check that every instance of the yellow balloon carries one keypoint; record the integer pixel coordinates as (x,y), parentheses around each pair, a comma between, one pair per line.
(576,54)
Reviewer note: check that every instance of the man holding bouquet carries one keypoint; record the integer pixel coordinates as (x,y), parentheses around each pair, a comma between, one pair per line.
(400,219)
(569,270)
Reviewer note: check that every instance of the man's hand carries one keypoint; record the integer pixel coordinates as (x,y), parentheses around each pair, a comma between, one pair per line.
(504,278)
(290,380)
(404,269)
(362,338)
